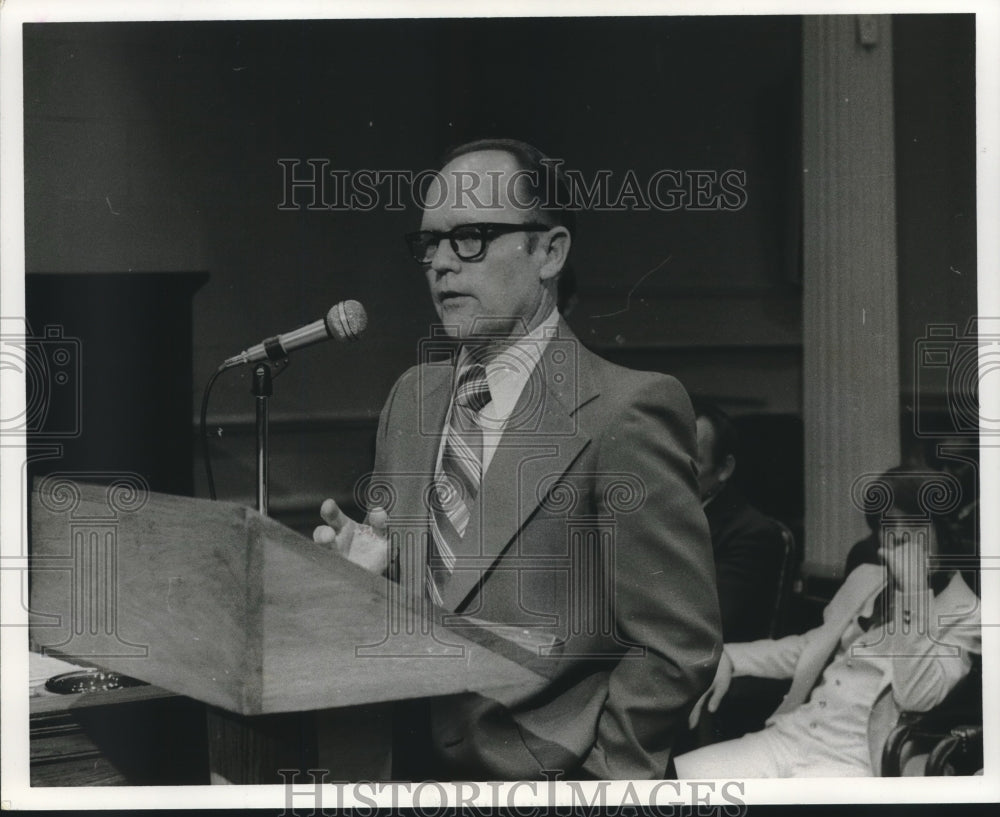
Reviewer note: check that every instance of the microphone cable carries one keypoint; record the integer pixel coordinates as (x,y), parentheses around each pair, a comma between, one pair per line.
(206,452)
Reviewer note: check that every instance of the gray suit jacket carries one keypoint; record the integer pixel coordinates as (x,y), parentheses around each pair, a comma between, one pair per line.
(592,550)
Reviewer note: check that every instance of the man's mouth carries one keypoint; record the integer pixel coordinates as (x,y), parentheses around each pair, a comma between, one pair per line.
(449,296)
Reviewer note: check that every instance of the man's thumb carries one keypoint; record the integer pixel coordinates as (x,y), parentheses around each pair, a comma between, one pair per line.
(379,520)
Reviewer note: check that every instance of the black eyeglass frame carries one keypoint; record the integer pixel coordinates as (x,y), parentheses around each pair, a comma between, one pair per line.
(486,232)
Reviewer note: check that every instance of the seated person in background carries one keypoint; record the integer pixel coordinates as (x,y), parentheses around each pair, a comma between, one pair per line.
(747,545)
(865,551)
(958,457)
(898,635)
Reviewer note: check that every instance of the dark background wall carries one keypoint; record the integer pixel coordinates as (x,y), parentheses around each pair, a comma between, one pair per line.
(935,94)
(154,148)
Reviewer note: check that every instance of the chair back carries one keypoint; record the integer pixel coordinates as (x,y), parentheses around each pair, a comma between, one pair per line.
(942,738)
(883,719)
(786,581)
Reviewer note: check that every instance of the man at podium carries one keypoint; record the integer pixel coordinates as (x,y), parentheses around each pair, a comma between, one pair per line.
(531,487)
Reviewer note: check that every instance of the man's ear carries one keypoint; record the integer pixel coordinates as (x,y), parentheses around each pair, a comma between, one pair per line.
(726,471)
(555,244)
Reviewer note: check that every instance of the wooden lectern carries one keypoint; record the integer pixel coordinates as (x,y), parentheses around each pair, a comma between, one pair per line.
(213,601)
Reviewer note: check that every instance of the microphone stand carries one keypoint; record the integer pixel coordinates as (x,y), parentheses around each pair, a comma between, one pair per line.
(262,389)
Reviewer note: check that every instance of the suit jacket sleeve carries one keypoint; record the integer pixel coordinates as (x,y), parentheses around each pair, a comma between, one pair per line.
(768,657)
(381,449)
(746,573)
(778,658)
(934,652)
(381,467)
(664,585)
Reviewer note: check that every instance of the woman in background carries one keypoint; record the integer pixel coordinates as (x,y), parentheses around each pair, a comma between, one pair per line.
(900,637)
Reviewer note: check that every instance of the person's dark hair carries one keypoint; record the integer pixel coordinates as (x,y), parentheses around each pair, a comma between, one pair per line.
(900,487)
(726,439)
(548,186)
(919,493)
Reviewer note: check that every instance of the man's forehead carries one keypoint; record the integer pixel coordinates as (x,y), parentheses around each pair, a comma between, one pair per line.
(478,183)
(483,161)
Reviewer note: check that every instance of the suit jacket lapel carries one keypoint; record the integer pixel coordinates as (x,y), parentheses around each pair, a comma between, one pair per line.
(540,441)
(817,653)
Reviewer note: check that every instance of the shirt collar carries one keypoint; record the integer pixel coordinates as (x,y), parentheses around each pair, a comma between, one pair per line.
(508,371)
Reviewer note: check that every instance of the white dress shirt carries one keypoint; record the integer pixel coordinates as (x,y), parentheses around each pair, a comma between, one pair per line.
(507,373)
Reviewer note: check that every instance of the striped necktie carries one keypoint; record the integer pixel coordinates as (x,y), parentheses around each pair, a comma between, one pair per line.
(456,484)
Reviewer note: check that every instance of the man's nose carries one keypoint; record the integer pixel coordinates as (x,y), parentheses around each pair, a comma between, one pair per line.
(444,259)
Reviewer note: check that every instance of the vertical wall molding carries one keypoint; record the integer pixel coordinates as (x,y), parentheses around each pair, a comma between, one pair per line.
(850,336)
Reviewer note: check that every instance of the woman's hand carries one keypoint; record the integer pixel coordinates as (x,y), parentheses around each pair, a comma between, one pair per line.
(716,692)
(905,552)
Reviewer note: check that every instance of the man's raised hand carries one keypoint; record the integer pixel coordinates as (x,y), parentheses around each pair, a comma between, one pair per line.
(366,545)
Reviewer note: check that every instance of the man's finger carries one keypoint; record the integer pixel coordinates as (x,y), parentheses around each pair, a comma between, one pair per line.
(324,535)
(379,520)
(332,515)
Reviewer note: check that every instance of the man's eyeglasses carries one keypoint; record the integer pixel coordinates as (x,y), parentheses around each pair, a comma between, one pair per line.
(468,241)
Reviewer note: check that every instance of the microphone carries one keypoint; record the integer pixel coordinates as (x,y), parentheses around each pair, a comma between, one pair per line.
(345,322)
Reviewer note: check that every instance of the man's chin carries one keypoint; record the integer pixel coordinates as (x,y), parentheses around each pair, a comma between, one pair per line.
(475,328)
(454,329)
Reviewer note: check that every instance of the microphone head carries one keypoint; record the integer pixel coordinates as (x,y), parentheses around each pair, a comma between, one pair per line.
(346,320)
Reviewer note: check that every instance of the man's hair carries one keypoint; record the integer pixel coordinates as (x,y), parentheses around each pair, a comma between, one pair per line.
(726,439)
(546,183)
